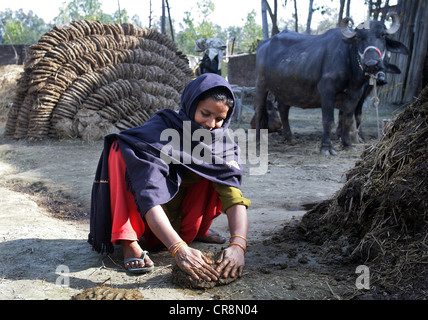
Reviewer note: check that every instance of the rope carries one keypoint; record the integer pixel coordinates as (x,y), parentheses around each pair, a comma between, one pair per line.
(376,102)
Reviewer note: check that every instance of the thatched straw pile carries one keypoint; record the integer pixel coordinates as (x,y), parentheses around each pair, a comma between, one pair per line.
(88,79)
(380,217)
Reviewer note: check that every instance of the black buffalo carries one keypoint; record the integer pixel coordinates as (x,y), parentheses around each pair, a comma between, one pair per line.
(325,71)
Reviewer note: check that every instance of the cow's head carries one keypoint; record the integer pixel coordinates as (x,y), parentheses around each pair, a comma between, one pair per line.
(371,42)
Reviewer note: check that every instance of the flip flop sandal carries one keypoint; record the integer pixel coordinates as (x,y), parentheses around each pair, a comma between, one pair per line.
(138,270)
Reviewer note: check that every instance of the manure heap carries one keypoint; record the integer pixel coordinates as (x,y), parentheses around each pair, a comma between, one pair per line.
(88,79)
(380,217)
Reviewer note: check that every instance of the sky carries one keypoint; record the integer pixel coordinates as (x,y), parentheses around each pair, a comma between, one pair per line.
(227,12)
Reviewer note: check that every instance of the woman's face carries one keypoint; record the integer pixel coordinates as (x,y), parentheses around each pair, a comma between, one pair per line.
(211,113)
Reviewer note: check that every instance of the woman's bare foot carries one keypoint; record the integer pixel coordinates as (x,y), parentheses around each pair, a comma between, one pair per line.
(131,249)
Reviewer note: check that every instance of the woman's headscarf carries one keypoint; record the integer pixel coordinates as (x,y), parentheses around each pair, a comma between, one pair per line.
(154,167)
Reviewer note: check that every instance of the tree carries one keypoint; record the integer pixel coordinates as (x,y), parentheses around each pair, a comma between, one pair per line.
(120,16)
(251,33)
(88,10)
(296,17)
(236,37)
(191,32)
(330,19)
(246,38)
(273,15)
(170,21)
(264,21)
(187,37)
(342,10)
(311,11)
(326,12)
(376,9)
(21,28)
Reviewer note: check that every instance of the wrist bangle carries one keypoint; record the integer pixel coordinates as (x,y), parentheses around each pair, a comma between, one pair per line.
(238,236)
(178,248)
(173,249)
(239,245)
(174,244)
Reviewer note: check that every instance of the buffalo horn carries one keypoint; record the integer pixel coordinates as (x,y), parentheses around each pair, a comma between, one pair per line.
(346,31)
(395,23)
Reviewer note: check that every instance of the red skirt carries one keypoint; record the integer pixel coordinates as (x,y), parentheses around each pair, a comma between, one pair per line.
(199,208)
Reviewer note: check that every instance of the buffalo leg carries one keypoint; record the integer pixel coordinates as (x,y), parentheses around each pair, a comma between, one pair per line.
(359,111)
(284,111)
(348,123)
(358,119)
(328,124)
(260,112)
(353,130)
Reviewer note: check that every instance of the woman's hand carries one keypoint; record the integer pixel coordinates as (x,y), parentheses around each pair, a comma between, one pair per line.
(194,263)
(189,260)
(232,261)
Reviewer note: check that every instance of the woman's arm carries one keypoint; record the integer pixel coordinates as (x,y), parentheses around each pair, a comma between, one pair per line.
(233,260)
(189,260)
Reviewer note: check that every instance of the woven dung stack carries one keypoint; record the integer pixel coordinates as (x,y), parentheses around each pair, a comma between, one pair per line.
(88,79)
(380,216)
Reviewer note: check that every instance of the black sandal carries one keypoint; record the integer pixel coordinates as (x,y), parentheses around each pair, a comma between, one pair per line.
(141,269)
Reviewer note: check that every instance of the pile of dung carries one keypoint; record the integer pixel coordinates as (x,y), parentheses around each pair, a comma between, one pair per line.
(185,281)
(105,293)
(88,79)
(380,217)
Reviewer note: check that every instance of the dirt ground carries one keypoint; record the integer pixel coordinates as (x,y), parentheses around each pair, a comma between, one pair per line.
(44,222)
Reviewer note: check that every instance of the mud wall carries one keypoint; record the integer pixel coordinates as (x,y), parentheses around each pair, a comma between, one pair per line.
(242,70)
(8,55)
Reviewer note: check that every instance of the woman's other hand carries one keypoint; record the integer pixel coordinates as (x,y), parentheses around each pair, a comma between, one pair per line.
(232,261)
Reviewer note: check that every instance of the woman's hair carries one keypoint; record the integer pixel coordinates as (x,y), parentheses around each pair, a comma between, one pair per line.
(219,94)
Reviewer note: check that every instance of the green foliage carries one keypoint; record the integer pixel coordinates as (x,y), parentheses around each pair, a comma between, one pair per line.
(252,33)
(243,38)
(21,28)
(191,31)
(88,10)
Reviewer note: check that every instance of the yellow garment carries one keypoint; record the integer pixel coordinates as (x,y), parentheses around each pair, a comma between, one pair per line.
(229,196)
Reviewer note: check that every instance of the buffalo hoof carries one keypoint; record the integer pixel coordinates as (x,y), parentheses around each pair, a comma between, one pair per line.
(350,149)
(291,142)
(328,152)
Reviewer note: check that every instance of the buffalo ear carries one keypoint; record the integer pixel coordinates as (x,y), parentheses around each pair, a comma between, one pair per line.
(396,46)
(392,68)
